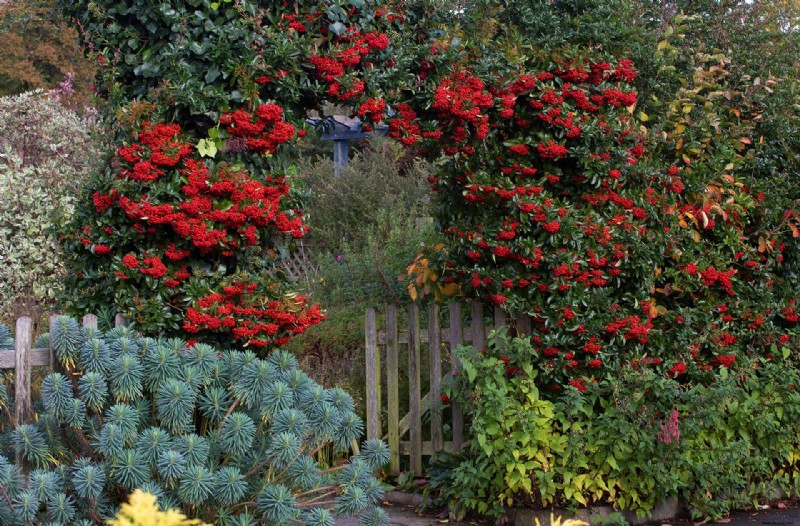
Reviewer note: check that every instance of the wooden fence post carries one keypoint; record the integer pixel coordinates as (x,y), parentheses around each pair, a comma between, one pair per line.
(22,382)
(414,390)
(456,339)
(499,317)
(478,330)
(373,358)
(393,388)
(90,321)
(54,365)
(434,351)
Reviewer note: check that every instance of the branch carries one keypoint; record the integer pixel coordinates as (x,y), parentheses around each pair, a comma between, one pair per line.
(5,496)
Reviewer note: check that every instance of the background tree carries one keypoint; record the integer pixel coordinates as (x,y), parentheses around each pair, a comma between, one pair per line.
(37,50)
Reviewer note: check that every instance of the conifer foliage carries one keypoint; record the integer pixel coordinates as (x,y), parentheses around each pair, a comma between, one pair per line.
(227,436)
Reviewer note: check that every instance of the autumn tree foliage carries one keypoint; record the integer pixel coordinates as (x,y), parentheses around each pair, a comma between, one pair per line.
(37,50)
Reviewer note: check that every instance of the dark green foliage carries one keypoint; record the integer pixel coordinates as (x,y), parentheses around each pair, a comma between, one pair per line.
(173,430)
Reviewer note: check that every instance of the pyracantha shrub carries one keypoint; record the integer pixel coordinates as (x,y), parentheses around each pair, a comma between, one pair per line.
(165,225)
(544,205)
(628,245)
(227,436)
(185,229)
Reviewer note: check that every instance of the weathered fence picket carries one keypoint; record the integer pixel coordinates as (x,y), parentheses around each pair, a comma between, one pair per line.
(420,347)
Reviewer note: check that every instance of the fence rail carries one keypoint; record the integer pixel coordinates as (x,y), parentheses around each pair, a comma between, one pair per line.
(391,344)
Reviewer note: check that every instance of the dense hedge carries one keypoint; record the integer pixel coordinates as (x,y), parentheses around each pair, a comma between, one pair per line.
(46,150)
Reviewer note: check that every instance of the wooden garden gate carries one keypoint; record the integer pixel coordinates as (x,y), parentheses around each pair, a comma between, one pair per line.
(388,344)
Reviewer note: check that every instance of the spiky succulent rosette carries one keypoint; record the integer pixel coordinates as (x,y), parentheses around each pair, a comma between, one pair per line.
(227,436)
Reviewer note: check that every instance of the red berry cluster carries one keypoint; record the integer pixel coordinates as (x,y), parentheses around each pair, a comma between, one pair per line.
(262,131)
(169,214)
(252,316)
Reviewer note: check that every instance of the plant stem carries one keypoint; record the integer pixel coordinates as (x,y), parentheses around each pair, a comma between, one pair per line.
(233,406)
(331,470)
(315,490)
(312,503)
(5,496)
(317,498)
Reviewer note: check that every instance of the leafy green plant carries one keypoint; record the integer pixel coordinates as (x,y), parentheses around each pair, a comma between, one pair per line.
(46,149)
(632,439)
(229,436)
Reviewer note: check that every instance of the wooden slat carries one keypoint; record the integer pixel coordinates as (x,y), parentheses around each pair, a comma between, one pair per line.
(36,358)
(435,350)
(53,362)
(444,336)
(90,321)
(524,327)
(499,317)
(427,448)
(392,389)
(373,375)
(478,331)
(22,376)
(456,339)
(414,389)
(425,405)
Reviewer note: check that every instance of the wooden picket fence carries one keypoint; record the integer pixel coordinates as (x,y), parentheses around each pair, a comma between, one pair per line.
(388,343)
(24,357)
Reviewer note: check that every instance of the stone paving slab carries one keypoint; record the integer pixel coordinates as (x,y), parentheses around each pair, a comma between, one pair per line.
(406,516)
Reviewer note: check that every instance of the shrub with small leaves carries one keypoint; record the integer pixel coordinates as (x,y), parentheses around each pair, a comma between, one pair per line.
(229,437)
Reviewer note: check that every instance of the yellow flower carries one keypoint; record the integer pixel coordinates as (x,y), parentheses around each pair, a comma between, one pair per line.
(142,510)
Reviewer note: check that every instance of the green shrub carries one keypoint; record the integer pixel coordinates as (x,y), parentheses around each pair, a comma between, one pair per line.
(46,150)
(631,440)
(381,177)
(366,226)
(228,436)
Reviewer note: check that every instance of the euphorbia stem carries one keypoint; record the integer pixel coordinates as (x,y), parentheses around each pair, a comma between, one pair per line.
(337,468)
(252,471)
(312,503)
(5,495)
(233,406)
(315,490)
(318,497)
